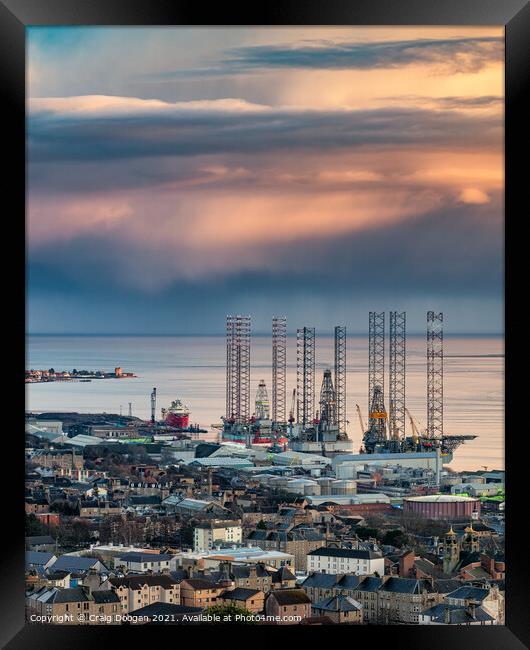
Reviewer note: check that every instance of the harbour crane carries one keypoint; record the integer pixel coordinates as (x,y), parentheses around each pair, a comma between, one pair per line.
(363,430)
(415,432)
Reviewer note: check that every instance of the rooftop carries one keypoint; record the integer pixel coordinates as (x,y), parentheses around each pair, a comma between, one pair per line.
(440,498)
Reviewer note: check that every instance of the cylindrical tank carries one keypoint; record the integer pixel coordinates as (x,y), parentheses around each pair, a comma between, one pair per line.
(442,506)
(312,489)
(325,484)
(343,487)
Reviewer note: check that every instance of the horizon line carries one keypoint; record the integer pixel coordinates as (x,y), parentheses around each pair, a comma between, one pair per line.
(223,334)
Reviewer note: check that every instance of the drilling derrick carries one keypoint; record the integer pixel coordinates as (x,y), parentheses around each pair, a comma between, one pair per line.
(340,376)
(435,375)
(279,365)
(376,376)
(305,375)
(376,434)
(262,402)
(328,403)
(238,368)
(229,348)
(153,406)
(396,375)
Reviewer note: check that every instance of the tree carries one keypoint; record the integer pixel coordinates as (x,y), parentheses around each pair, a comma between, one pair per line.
(363,532)
(228,614)
(261,525)
(395,537)
(34,526)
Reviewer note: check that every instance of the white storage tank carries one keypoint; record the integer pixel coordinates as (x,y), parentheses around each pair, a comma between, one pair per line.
(312,489)
(344,487)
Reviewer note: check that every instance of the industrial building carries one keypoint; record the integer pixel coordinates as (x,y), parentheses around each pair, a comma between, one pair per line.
(443,506)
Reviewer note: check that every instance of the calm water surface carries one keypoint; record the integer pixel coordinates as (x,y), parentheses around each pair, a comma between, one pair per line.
(192,368)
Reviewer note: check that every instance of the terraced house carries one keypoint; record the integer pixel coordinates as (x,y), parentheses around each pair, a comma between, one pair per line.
(141,590)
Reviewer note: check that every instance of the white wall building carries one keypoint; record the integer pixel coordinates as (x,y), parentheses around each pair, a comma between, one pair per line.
(345,560)
(216,533)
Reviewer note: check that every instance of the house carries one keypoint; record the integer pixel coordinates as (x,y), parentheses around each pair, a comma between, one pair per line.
(384,600)
(67,606)
(79,564)
(136,591)
(297,542)
(489,598)
(252,600)
(36,505)
(106,606)
(290,606)
(96,508)
(340,609)
(58,578)
(40,543)
(251,576)
(444,614)
(366,591)
(400,600)
(283,578)
(345,560)
(212,533)
(276,559)
(39,560)
(198,592)
(190,507)
(144,562)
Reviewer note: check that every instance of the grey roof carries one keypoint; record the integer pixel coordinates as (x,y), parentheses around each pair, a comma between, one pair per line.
(240,593)
(320,580)
(140,499)
(338,604)
(144,557)
(75,563)
(290,596)
(36,540)
(457,615)
(56,575)
(370,584)
(72,595)
(38,558)
(135,582)
(445,586)
(105,596)
(402,586)
(282,574)
(469,593)
(346,552)
(179,574)
(348,582)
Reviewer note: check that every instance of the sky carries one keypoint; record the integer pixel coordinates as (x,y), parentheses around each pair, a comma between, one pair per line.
(176,175)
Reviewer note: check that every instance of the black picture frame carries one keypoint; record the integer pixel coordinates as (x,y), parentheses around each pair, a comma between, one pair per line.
(15,15)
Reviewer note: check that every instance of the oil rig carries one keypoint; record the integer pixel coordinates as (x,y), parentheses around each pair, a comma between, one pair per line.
(321,430)
(386,430)
(320,427)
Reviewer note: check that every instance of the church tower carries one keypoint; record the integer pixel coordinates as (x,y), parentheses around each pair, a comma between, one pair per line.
(451,554)
(470,542)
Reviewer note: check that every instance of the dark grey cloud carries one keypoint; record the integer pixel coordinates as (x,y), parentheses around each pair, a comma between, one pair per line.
(459,54)
(451,250)
(448,255)
(452,54)
(68,137)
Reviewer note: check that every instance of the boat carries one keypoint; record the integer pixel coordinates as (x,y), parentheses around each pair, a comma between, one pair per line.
(177,415)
